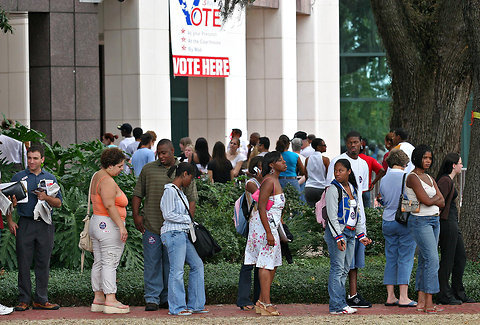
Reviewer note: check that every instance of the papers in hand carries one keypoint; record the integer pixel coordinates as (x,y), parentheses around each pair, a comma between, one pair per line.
(6,205)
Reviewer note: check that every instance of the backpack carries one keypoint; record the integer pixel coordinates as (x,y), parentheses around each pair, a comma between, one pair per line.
(241,214)
(321,206)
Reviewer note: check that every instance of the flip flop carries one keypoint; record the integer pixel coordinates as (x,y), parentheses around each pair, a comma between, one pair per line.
(391,304)
(411,304)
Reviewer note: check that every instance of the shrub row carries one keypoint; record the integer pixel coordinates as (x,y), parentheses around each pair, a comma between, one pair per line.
(304,281)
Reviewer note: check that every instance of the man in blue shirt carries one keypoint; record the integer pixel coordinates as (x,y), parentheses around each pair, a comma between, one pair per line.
(34,237)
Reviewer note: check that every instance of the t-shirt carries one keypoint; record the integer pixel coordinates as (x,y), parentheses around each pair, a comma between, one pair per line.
(360,169)
(408,149)
(372,165)
(220,175)
(291,158)
(238,157)
(140,158)
(132,148)
(11,150)
(391,189)
(125,143)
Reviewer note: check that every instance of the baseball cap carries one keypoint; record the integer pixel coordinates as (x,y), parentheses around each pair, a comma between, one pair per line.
(125,127)
(301,135)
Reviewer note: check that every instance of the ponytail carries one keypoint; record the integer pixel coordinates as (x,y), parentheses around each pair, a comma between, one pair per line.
(180,169)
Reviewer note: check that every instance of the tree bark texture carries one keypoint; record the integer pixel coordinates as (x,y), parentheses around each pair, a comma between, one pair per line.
(470,211)
(426,46)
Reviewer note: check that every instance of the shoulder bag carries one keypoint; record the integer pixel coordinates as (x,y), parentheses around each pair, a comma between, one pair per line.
(85,243)
(202,240)
(405,206)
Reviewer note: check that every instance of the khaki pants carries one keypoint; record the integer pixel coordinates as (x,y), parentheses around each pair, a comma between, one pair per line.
(107,251)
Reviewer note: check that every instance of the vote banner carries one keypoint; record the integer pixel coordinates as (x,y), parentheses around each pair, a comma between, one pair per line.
(200,38)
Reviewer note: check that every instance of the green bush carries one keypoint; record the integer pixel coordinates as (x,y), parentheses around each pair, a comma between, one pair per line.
(304,281)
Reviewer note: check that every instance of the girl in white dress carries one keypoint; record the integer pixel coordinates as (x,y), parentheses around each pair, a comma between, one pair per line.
(263,244)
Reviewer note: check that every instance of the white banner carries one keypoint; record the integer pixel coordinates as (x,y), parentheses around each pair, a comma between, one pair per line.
(201,41)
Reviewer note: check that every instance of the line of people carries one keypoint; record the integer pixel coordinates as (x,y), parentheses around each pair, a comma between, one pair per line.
(169,195)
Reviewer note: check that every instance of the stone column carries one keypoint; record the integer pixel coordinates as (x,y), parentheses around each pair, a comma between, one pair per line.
(64,75)
(272,70)
(318,73)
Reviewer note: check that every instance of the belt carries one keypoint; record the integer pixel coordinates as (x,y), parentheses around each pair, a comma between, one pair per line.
(350,227)
(287,177)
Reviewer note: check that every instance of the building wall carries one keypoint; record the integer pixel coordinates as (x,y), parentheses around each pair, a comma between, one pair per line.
(14,71)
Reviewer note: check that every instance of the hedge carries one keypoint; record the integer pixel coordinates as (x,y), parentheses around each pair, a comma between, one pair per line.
(304,281)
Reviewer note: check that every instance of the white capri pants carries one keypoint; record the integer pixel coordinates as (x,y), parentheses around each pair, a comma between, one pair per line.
(107,251)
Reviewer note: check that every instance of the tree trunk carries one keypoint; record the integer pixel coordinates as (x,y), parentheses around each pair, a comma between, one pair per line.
(426,48)
(470,211)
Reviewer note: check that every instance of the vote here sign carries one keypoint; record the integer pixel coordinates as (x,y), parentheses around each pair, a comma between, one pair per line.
(200,38)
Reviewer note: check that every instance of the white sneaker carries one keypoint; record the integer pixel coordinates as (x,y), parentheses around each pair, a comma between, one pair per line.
(4,310)
(346,310)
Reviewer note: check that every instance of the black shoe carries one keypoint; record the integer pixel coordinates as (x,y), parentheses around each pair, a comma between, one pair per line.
(465,299)
(357,301)
(451,301)
(150,306)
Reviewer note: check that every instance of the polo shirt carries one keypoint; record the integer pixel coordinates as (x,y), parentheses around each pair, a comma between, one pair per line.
(150,185)
(33,182)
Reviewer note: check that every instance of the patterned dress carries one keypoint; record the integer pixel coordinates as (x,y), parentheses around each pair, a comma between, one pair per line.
(258,252)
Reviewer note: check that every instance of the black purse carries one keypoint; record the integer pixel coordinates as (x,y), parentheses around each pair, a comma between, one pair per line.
(16,189)
(400,216)
(204,243)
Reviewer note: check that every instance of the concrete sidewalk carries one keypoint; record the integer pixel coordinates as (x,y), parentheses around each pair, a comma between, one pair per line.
(231,311)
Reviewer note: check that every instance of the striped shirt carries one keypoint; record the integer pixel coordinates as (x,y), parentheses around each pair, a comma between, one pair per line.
(150,185)
(173,209)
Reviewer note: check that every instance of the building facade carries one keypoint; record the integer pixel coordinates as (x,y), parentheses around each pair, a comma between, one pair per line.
(74,70)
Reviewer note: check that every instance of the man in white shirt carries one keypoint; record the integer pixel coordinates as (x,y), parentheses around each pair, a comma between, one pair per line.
(400,137)
(306,149)
(360,169)
(12,150)
(126,130)
(263,146)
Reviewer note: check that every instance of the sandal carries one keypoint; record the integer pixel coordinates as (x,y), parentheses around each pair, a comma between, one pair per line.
(247,308)
(258,307)
(433,310)
(265,312)
(117,308)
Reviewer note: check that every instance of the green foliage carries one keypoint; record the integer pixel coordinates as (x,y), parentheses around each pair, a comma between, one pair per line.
(4,24)
(374,232)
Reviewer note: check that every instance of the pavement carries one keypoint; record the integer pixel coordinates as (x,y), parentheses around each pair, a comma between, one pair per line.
(231,314)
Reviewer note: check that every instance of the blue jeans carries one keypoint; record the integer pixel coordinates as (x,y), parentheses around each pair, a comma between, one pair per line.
(155,268)
(339,268)
(181,250)
(245,285)
(399,253)
(425,231)
(292,181)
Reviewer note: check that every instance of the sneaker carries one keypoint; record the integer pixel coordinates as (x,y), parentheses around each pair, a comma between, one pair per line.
(22,306)
(151,306)
(346,310)
(357,301)
(45,306)
(4,310)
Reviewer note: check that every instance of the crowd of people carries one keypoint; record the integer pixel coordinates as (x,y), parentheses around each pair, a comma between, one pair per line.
(166,191)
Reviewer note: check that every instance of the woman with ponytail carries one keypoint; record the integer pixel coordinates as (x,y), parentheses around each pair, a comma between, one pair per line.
(343,225)
(263,244)
(174,235)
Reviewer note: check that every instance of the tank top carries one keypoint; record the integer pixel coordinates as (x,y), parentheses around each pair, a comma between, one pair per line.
(120,203)
(316,171)
(431,191)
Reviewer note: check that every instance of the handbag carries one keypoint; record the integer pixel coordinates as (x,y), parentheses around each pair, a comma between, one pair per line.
(401,216)
(202,240)
(85,242)
(256,195)
(16,189)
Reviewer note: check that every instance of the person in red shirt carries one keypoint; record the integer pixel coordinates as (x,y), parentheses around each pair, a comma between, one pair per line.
(373,165)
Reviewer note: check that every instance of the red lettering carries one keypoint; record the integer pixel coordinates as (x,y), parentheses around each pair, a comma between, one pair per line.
(206,10)
(226,67)
(175,66)
(205,67)
(192,16)
(216,18)
(218,64)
